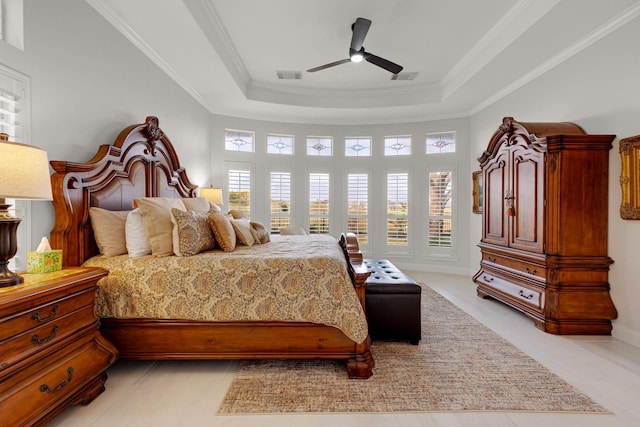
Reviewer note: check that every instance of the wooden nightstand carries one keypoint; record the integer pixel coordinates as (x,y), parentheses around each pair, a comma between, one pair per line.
(51,353)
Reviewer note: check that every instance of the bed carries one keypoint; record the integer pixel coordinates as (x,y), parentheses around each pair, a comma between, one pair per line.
(142,163)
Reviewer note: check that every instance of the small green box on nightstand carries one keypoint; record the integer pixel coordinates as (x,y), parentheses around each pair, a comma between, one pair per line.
(44,262)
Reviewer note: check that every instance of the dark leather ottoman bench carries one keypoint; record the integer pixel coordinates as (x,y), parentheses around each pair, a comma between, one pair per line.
(392,303)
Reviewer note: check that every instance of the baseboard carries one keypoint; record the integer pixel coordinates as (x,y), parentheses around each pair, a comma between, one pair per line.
(430,268)
(626,334)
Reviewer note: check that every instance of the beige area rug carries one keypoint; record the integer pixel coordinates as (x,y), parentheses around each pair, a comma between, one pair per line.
(460,365)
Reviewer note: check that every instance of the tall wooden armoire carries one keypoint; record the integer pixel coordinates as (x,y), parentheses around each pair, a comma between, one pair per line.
(544,233)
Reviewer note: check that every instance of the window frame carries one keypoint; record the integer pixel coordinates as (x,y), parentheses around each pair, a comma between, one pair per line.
(238,133)
(358,139)
(331,145)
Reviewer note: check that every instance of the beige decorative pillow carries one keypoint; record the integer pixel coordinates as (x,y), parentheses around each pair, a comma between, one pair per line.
(191,232)
(137,242)
(196,204)
(223,231)
(237,214)
(242,229)
(156,217)
(260,233)
(108,230)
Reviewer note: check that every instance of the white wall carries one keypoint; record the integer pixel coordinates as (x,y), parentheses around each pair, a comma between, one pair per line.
(599,89)
(88,83)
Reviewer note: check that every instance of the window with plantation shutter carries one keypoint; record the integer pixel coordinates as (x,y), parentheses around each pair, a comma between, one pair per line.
(12,92)
(239,185)
(397,209)
(358,206)
(319,206)
(14,121)
(440,209)
(280,183)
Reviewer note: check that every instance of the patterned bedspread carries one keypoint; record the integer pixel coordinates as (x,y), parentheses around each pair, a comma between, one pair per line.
(292,278)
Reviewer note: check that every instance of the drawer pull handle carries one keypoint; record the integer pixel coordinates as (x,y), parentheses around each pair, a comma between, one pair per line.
(44,387)
(488,279)
(534,271)
(54,311)
(36,339)
(521,293)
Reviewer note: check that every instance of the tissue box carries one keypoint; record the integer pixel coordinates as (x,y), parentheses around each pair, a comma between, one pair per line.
(44,262)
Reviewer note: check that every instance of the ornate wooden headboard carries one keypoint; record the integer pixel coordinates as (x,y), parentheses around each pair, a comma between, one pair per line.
(140,163)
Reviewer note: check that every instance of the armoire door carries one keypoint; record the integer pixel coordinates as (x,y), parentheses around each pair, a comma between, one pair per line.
(526,218)
(496,187)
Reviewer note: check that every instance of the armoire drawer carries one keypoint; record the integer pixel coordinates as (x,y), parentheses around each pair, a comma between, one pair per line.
(38,316)
(37,339)
(515,265)
(522,294)
(56,382)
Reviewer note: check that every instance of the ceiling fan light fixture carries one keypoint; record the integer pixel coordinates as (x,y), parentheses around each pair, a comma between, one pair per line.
(357,57)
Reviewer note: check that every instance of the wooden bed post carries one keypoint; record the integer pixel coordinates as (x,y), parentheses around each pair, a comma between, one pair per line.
(361,366)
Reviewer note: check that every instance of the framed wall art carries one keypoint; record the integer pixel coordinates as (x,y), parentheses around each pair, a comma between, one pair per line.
(476,178)
(630,177)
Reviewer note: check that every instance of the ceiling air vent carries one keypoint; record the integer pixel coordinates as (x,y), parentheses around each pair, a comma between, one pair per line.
(405,76)
(289,75)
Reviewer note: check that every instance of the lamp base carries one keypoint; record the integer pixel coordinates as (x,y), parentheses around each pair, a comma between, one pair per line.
(8,248)
(10,279)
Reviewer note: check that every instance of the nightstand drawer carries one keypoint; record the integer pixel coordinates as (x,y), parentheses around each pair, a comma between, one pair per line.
(44,314)
(37,339)
(56,382)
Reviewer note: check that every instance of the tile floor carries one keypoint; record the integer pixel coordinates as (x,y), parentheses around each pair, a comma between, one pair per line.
(187,393)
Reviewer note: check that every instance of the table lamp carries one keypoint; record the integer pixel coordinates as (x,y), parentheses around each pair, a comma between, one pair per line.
(24,174)
(213,195)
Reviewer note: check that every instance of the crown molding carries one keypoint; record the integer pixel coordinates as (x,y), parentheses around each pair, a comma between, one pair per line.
(125,29)
(599,33)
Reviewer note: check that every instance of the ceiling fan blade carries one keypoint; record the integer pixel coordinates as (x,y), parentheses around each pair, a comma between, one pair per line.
(360,29)
(393,68)
(332,64)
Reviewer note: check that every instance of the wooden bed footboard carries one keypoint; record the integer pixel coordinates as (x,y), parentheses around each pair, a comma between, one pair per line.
(143,163)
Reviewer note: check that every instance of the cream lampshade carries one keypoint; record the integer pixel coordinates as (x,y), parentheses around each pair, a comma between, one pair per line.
(214,195)
(24,174)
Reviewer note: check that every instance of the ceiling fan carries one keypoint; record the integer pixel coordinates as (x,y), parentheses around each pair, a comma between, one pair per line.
(357,52)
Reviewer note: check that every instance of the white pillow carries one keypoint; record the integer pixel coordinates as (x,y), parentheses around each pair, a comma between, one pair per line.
(136,240)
